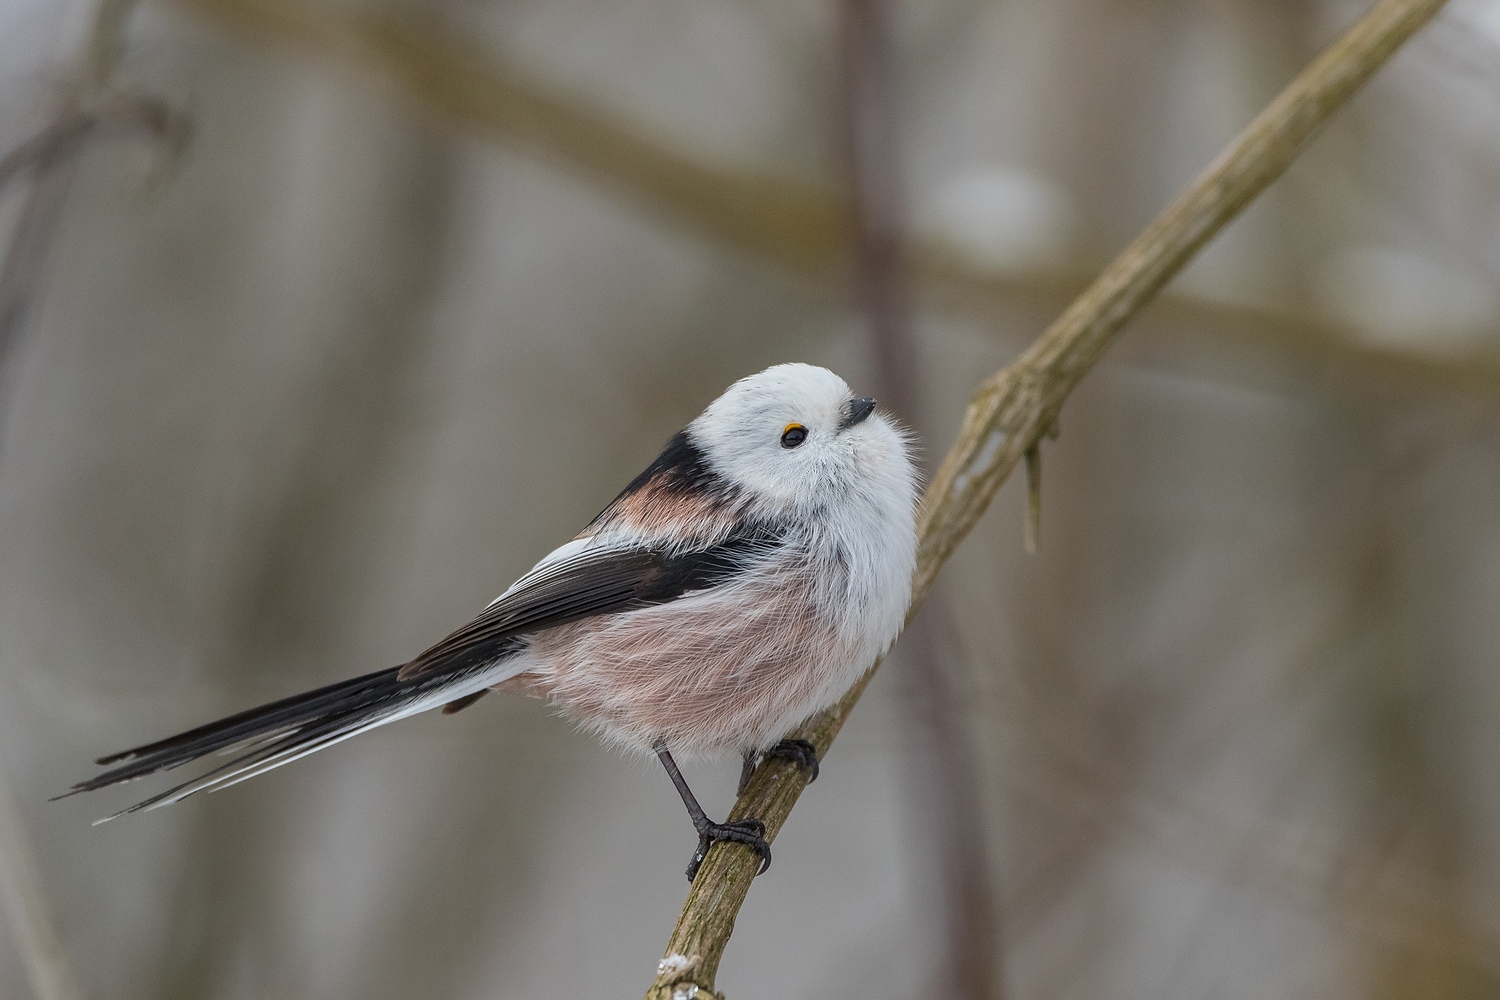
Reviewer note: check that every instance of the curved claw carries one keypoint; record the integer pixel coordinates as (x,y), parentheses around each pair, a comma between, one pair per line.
(750,832)
(801,751)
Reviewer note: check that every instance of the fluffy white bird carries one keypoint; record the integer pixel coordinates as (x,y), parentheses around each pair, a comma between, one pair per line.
(742,582)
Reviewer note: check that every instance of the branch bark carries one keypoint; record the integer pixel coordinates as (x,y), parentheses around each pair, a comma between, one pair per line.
(799,225)
(1016,407)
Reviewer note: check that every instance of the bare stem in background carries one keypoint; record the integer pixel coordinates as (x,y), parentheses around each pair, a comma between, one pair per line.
(799,225)
(1014,409)
(92,106)
(872,155)
(939,763)
(43,206)
(118,114)
(89,106)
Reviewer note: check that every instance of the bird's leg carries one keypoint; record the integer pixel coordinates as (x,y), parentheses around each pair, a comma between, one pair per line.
(801,751)
(750,758)
(750,832)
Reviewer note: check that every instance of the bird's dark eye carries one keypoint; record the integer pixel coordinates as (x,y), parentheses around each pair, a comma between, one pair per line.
(793,435)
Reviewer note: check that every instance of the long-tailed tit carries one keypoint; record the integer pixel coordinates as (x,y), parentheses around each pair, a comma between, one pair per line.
(741,583)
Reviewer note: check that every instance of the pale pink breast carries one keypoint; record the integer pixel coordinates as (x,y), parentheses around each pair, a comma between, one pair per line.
(730,668)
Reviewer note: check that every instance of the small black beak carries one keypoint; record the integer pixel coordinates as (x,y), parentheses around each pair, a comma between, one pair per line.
(855,411)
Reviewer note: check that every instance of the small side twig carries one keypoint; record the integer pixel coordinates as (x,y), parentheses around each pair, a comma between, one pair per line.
(1016,407)
(1033,533)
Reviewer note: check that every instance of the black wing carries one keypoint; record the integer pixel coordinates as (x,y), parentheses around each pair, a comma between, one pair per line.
(579,581)
(595,580)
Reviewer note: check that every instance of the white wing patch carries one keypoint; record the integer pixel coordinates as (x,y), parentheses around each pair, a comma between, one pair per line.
(562,554)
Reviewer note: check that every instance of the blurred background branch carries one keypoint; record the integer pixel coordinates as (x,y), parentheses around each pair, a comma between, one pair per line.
(801,225)
(797,225)
(1012,411)
(940,764)
(92,104)
(117,114)
(51,156)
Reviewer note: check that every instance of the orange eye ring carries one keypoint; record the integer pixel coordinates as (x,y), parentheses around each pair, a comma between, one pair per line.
(792,435)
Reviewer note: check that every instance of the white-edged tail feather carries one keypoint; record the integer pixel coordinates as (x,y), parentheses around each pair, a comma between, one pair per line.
(267,737)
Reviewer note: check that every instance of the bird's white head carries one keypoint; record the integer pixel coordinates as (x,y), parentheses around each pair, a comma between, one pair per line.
(796,436)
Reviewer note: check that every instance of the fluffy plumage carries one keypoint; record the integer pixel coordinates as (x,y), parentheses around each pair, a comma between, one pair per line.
(741,583)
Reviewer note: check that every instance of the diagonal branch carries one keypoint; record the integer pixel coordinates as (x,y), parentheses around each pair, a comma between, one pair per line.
(1016,407)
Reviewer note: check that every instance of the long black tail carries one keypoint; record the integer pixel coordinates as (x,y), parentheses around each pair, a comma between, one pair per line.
(283,731)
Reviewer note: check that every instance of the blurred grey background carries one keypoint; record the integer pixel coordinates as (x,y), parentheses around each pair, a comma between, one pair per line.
(297,403)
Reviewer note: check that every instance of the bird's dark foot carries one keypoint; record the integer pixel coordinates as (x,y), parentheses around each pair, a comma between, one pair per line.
(801,751)
(750,832)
